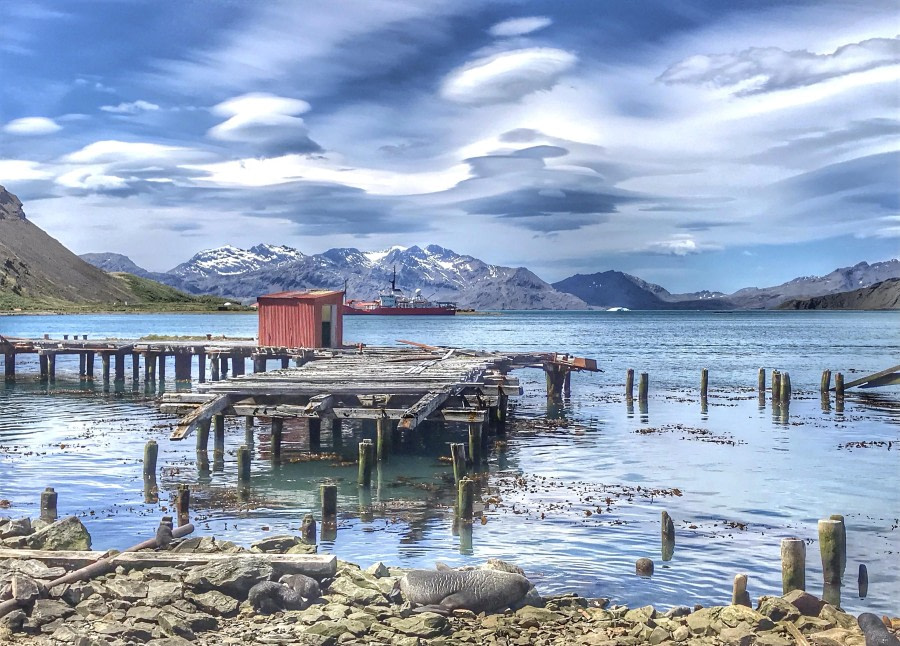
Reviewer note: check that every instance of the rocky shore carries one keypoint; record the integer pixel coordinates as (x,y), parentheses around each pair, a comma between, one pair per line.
(207,605)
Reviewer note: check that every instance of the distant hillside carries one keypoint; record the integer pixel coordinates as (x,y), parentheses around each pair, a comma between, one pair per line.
(37,272)
(880,296)
(616,289)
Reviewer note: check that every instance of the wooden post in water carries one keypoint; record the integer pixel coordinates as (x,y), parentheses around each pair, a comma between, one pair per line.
(285,363)
(785,388)
(825,385)
(277,429)
(203,435)
(776,386)
(214,367)
(458,457)
(243,464)
(9,366)
(259,363)
(183,504)
(383,438)
(475,442)
(366,457)
(643,388)
(104,362)
(567,385)
(793,564)
(337,434)
(82,365)
(89,366)
(862,581)
(151,452)
(328,495)
(135,369)
(223,366)
(842,542)
(219,434)
(51,366)
(49,499)
(44,367)
(761,382)
(119,367)
(704,382)
(739,594)
(668,536)
(466,499)
(149,367)
(629,385)
(830,532)
(238,367)
(839,386)
(201,366)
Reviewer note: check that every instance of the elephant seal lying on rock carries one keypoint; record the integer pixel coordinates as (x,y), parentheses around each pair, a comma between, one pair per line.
(306,586)
(476,590)
(268,597)
(875,631)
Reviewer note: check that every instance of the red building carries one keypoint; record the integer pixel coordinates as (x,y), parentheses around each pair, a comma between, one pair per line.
(310,319)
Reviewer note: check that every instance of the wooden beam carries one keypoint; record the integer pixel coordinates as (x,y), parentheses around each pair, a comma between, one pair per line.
(422,409)
(872,377)
(319,405)
(317,566)
(203,413)
(464,415)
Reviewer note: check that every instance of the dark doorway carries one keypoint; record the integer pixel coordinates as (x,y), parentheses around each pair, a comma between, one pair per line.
(326,334)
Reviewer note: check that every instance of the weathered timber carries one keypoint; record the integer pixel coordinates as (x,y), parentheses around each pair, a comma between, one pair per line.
(204,412)
(422,409)
(888,377)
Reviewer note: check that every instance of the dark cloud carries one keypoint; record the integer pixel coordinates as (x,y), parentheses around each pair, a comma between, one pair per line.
(520,135)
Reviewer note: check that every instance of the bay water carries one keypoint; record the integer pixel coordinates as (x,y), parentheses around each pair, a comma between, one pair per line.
(573,493)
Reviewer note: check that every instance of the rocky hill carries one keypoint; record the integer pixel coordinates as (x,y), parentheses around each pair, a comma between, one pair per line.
(37,272)
(880,296)
(440,274)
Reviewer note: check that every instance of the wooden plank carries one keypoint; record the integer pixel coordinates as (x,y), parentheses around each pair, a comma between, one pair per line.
(204,412)
(872,377)
(886,380)
(464,414)
(422,409)
(319,405)
(314,565)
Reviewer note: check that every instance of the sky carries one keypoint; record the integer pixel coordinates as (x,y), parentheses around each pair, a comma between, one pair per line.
(697,144)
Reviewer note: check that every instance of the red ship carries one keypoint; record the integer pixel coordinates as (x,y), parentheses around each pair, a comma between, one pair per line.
(392,302)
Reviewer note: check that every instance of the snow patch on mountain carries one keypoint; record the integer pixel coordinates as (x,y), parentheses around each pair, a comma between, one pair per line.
(232,261)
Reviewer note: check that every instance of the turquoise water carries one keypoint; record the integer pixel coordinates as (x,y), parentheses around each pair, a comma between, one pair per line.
(747,475)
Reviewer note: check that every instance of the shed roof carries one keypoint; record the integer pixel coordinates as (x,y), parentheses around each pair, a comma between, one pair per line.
(311,295)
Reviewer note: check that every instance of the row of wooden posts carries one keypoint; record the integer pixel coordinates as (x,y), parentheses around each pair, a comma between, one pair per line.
(781,385)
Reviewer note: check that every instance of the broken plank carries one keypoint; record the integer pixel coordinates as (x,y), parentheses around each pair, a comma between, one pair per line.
(872,377)
(422,409)
(464,414)
(201,414)
(319,405)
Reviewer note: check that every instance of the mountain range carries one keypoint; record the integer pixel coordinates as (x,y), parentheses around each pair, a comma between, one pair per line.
(442,274)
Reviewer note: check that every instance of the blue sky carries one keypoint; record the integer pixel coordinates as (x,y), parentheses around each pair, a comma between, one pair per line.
(696,144)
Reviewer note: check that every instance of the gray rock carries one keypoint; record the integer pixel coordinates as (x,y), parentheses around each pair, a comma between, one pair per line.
(327,629)
(35,569)
(778,609)
(162,593)
(24,589)
(378,570)
(215,603)
(13,620)
(426,625)
(276,544)
(15,527)
(233,577)
(92,606)
(66,634)
(143,613)
(65,534)
(806,603)
(127,590)
(169,641)
(173,626)
(47,610)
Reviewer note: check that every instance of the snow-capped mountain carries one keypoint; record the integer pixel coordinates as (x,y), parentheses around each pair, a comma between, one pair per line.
(231,261)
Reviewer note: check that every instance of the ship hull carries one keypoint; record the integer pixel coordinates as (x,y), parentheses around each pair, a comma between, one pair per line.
(399,311)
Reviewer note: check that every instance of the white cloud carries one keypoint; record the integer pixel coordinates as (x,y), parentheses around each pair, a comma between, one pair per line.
(17,170)
(112,151)
(265,121)
(762,69)
(130,108)
(520,26)
(507,76)
(679,244)
(32,126)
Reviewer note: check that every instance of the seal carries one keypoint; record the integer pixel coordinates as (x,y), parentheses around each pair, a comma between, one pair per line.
(306,586)
(268,597)
(476,590)
(876,633)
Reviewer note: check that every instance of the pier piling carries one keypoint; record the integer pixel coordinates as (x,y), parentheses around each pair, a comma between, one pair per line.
(119,364)
(276,435)
(825,385)
(668,536)
(183,504)
(475,442)
(458,456)
(643,388)
(51,367)
(839,388)
(9,366)
(104,362)
(761,383)
(214,368)
(243,464)
(201,367)
(89,365)
(219,434)
(629,385)
(793,564)
(466,499)
(314,429)
(383,438)
(328,495)
(151,452)
(366,457)
(830,532)
(785,388)
(842,542)
(44,368)
(203,435)
(49,499)
(776,386)
(82,363)
(704,383)
(862,581)
(135,369)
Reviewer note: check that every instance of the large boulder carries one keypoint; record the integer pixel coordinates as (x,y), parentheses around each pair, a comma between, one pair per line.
(65,534)
(234,577)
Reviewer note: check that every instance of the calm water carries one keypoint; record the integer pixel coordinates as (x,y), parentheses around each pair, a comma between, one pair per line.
(576,493)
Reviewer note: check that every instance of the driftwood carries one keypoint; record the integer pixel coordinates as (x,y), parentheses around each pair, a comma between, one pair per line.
(105,563)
